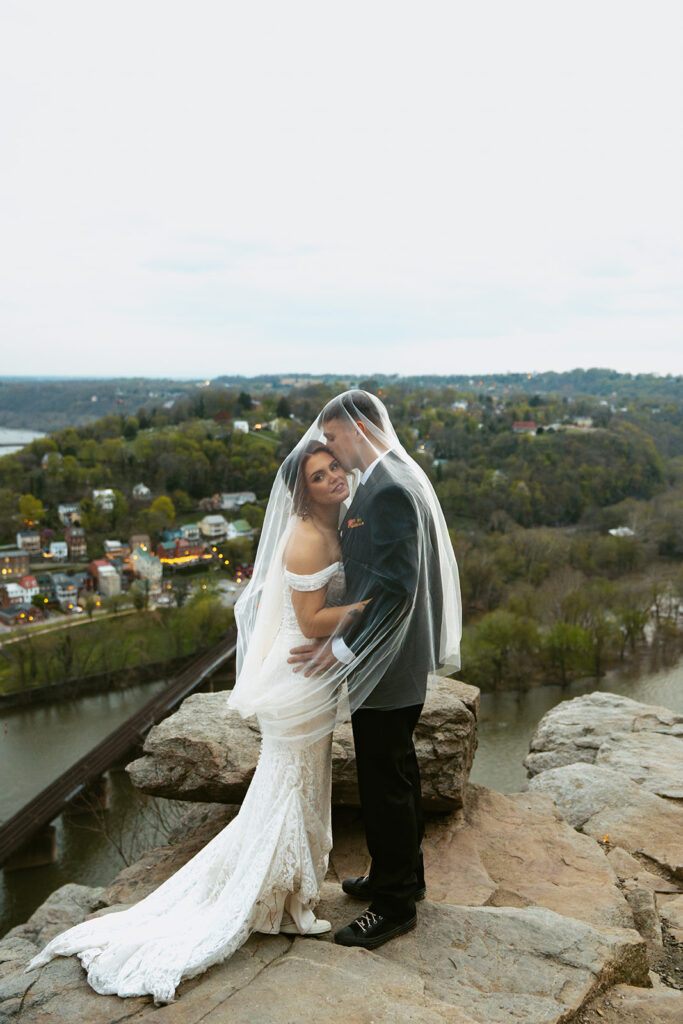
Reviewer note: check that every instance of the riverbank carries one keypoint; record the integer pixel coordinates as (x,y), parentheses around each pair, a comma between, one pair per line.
(104,648)
(99,682)
(508,717)
(649,654)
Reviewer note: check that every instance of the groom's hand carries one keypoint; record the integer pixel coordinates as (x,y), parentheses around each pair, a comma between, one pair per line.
(316,656)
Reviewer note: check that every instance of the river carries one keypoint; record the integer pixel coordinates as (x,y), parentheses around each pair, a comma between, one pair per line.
(14,440)
(37,743)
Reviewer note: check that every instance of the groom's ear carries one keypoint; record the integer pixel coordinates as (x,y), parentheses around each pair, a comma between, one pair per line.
(361,427)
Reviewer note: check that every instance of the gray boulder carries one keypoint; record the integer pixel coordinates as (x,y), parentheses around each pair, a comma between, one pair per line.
(626,1004)
(605,804)
(207,752)
(63,908)
(643,741)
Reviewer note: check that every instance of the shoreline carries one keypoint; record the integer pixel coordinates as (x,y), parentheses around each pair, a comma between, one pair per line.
(101,682)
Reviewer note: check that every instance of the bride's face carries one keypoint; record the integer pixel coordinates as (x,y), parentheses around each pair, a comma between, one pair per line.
(326,481)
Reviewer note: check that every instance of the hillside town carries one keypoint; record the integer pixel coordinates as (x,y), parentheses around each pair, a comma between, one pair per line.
(43,573)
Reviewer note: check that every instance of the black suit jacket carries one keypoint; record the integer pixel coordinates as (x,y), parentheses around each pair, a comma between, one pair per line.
(390,555)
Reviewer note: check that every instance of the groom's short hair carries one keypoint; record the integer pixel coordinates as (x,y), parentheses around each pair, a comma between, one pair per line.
(351,403)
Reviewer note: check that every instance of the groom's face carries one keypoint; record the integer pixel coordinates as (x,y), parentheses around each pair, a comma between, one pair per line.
(343,439)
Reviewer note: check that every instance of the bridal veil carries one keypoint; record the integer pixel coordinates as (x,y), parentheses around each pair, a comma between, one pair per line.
(397,556)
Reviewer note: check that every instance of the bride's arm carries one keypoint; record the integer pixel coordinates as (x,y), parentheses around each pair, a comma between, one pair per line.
(306,555)
(315,620)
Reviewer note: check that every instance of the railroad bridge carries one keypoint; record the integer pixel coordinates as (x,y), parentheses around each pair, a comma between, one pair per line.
(28,838)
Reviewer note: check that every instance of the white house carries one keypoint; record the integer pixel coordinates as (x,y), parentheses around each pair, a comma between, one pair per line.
(190,531)
(235,499)
(147,566)
(115,549)
(278,424)
(12,594)
(66,591)
(67,511)
(29,585)
(214,527)
(240,528)
(621,531)
(141,492)
(104,499)
(29,540)
(241,425)
(108,581)
(59,550)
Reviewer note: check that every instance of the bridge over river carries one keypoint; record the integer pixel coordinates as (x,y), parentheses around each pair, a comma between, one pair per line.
(27,838)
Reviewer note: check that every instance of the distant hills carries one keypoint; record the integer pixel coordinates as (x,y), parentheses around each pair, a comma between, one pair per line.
(50,403)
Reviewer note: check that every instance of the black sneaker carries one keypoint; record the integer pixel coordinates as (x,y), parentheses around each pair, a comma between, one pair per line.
(371,930)
(360,889)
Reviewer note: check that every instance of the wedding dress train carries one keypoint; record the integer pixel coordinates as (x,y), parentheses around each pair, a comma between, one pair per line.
(270,859)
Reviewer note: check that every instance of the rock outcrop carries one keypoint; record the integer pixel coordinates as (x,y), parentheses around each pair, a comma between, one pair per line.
(614,768)
(545,907)
(462,965)
(601,802)
(643,741)
(206,751)
(515,850)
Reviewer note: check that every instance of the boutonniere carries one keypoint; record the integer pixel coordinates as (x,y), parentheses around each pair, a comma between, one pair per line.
(352,523)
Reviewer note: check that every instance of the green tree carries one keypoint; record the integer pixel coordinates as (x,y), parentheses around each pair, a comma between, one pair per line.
(140,595)
(253,514)
(131,427)
(181,591)
(31,510)
(161,513)
(114,602)
(283,408)
(237,551)
(632,613)
(567,650)
(119,513)
(500,648)
(8,509)
(182,501)
(93,519)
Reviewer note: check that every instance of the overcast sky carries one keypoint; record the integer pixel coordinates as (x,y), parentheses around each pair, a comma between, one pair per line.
(189,189)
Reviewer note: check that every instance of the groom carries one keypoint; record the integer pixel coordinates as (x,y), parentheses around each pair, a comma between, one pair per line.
(384,537)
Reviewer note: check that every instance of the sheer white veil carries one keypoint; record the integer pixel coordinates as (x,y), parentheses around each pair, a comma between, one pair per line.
(396,554)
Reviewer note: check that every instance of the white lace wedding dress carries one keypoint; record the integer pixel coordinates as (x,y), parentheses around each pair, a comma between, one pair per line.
(269,860)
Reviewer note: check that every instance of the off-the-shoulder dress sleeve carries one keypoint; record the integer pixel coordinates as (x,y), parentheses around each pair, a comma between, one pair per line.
(311,581)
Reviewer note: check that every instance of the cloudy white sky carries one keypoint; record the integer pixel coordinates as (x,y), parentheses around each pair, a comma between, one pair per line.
(190,189)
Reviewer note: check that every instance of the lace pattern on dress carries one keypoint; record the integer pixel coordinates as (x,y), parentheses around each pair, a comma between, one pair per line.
(313,580)
(272,857)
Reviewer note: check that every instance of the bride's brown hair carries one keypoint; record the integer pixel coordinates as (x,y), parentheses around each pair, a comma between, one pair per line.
(294,475)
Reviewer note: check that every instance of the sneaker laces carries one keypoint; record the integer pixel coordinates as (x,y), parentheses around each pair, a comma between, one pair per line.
(367,920)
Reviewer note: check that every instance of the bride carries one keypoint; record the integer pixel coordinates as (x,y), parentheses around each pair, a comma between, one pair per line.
(263,871)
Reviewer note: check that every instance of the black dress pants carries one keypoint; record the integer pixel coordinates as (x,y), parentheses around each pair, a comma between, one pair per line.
(391,806)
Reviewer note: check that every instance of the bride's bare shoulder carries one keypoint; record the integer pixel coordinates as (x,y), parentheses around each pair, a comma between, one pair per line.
(307,550)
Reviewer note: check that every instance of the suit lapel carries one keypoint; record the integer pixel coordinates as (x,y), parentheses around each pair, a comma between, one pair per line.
(362,496)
